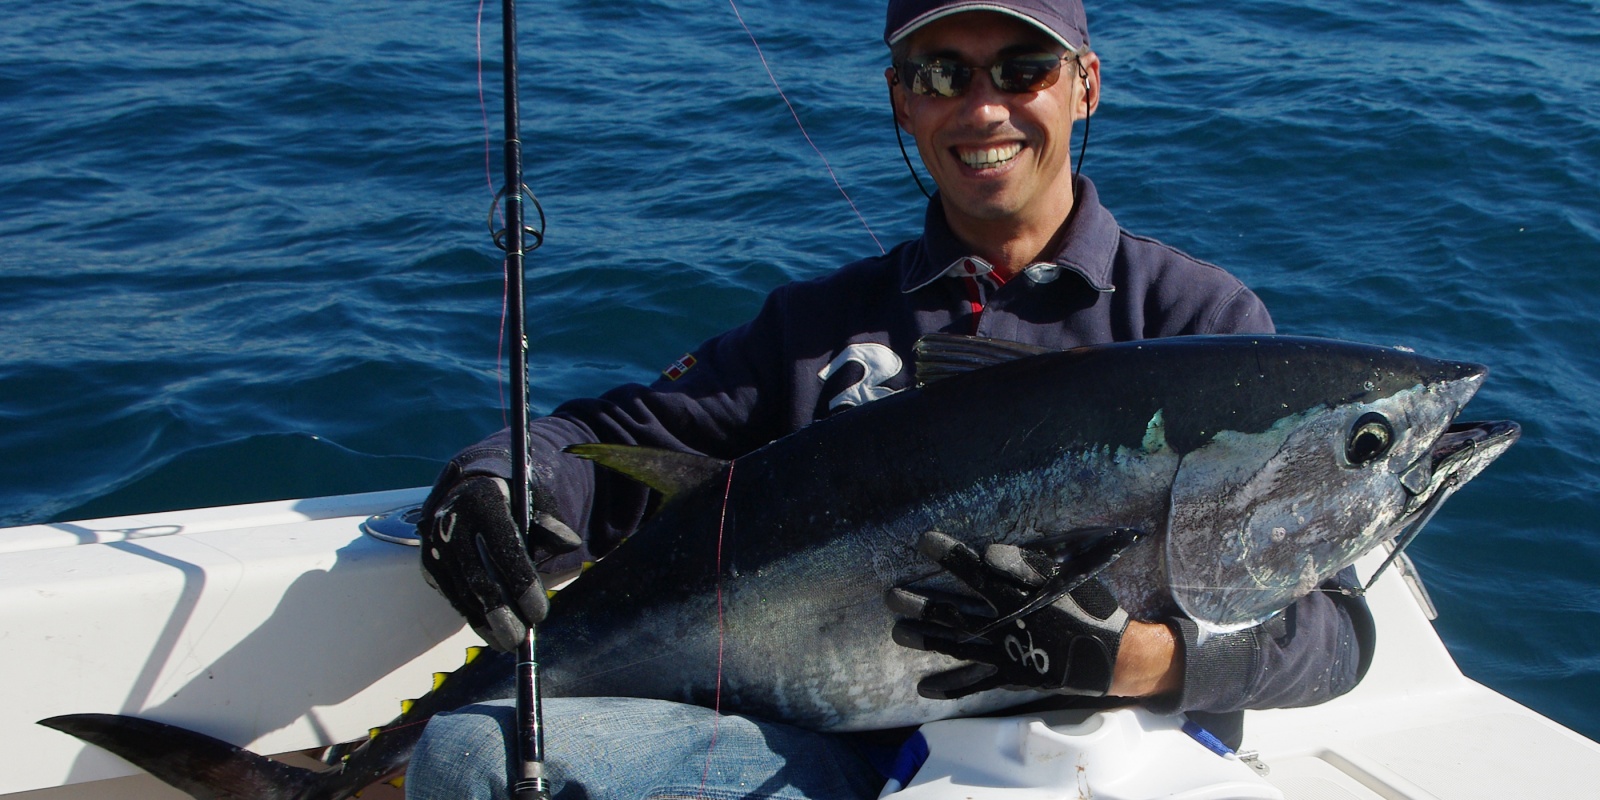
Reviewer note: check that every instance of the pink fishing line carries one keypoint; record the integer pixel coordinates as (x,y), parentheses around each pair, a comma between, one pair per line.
(488,176)
(829,167)
(716,706)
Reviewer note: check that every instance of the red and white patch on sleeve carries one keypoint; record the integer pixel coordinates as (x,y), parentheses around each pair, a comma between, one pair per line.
(679,367)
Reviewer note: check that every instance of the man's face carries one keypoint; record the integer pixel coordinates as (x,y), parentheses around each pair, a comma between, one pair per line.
(999,159)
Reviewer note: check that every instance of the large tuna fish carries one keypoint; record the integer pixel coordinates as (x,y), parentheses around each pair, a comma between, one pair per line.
(1256,467)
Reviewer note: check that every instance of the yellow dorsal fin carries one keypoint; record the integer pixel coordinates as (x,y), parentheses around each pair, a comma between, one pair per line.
(669,472)
(439,679)
(472,654)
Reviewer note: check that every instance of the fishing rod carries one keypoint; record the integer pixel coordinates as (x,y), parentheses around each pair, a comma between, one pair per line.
(527,778)
(527,771)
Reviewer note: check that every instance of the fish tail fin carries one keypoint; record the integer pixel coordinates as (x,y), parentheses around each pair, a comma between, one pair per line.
(204,767)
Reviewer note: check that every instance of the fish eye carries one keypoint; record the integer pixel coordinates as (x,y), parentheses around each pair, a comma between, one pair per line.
(1369,438)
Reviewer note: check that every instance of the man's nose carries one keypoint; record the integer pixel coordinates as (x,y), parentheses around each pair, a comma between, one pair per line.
(983,101)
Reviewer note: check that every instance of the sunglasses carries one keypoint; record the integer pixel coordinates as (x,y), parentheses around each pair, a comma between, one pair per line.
(942,77)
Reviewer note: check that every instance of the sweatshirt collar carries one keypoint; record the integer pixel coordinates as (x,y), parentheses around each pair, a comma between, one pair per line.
(1087,249)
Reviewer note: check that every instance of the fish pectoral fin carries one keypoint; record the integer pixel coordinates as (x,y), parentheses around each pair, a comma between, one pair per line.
(1093,548)
(670,472)
(944,355)
(1081,555)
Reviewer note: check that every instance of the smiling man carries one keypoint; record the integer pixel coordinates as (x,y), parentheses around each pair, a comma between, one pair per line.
(983,96)
(1015,246)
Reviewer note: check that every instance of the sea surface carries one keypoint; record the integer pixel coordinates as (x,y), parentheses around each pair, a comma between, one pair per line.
(244,249)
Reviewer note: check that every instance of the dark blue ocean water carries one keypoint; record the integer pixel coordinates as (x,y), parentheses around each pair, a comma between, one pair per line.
(243,248)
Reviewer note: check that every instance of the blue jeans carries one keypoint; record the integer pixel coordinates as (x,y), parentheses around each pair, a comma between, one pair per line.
(611,748)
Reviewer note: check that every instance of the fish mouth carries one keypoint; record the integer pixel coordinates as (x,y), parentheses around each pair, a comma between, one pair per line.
(1457,456)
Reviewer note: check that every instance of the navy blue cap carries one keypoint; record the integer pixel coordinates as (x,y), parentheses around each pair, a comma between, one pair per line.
(1062,19)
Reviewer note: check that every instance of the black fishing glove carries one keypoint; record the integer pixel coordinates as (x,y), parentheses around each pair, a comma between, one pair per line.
(473,554)
(1068,646)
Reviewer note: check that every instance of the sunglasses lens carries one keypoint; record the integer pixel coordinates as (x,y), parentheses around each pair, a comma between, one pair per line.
(938,78)
(1032,73)
(943,78)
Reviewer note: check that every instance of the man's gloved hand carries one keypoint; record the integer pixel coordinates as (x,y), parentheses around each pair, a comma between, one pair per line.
(473,554)
(1068,646)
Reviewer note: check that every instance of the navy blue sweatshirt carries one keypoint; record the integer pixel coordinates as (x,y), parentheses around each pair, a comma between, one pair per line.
(823,345)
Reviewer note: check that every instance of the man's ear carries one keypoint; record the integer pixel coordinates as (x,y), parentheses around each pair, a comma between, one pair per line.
(896,97)
(1089,63)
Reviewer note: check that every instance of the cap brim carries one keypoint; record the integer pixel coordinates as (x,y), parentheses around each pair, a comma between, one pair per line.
(915,24)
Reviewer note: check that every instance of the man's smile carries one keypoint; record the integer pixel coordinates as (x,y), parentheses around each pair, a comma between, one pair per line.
(988,157)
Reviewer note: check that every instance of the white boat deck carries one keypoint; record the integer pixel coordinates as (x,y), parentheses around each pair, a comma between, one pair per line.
(277,626)
(1417,728)
(280,627)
